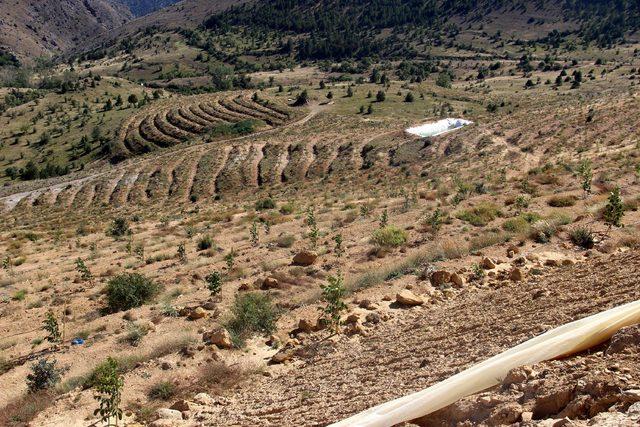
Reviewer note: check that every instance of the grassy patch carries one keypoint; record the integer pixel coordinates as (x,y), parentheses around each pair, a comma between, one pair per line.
(480,215)
(389,237)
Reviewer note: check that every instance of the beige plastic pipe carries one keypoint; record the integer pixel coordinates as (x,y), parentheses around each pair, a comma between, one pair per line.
(563,341)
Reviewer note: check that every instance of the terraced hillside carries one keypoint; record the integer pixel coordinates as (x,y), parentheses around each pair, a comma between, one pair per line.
(174,122)
(189,164)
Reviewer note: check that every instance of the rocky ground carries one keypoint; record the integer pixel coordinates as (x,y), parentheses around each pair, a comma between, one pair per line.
(402,348)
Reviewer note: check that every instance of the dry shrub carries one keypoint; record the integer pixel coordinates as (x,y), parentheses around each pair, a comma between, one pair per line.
(22,410)
(562,201)
(452,249)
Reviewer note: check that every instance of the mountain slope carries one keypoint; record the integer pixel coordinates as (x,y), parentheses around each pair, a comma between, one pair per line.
(33,28)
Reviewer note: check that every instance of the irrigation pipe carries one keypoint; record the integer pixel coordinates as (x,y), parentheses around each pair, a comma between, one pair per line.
(563,341)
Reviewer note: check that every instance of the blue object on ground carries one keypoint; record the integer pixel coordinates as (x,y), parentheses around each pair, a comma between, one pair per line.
(77,341)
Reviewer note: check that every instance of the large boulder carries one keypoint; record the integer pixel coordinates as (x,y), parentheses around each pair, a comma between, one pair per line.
(219,337)
(457,280)
(408,298)
(440,277)
(168,414)
(305,258)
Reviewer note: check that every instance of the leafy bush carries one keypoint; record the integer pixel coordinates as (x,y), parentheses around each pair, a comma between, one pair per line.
(389,237)
(265,204)
(561,201)
(129,290)
(480,215)
(214,282)
(119,228)
(205,242)
(44,375)
(582,237)
(251,313)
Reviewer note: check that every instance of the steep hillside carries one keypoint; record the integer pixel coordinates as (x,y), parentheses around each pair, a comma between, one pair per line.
(144,7)
(34,28)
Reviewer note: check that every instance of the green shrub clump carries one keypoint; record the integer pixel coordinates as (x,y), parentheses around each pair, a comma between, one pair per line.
(129,290)
(582,237)
(251,313)
(389,237)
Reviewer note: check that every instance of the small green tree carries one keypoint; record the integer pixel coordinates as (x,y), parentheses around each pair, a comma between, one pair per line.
(182,253)
(253,232)
(230,259)
(83,271)
(384,218)
(44,375)
(434,221)
(302,99)
(381,96)
(119,228)
(349,92)
(338,249)
(51,326)
(614,210)
(585,172)
(214,283)
(409,97)
(108,384)
(333,294)
(314,232)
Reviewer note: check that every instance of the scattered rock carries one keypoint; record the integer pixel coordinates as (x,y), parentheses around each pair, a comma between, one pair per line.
(305,258)
(204,399)
(626,340)
(526,416)
(408,298)
(507,413)
(373,318)
(367,305)
(487,264)
(352,318)
(168,414)
(270,283)
(219,337)
(552,263)
(197,313)
(457,280)
(182,406)
(166,365)
(512,250)
(516,275)
(306,325)
(209,305)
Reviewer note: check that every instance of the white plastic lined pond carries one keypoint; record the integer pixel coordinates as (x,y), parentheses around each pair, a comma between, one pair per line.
(439,127)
